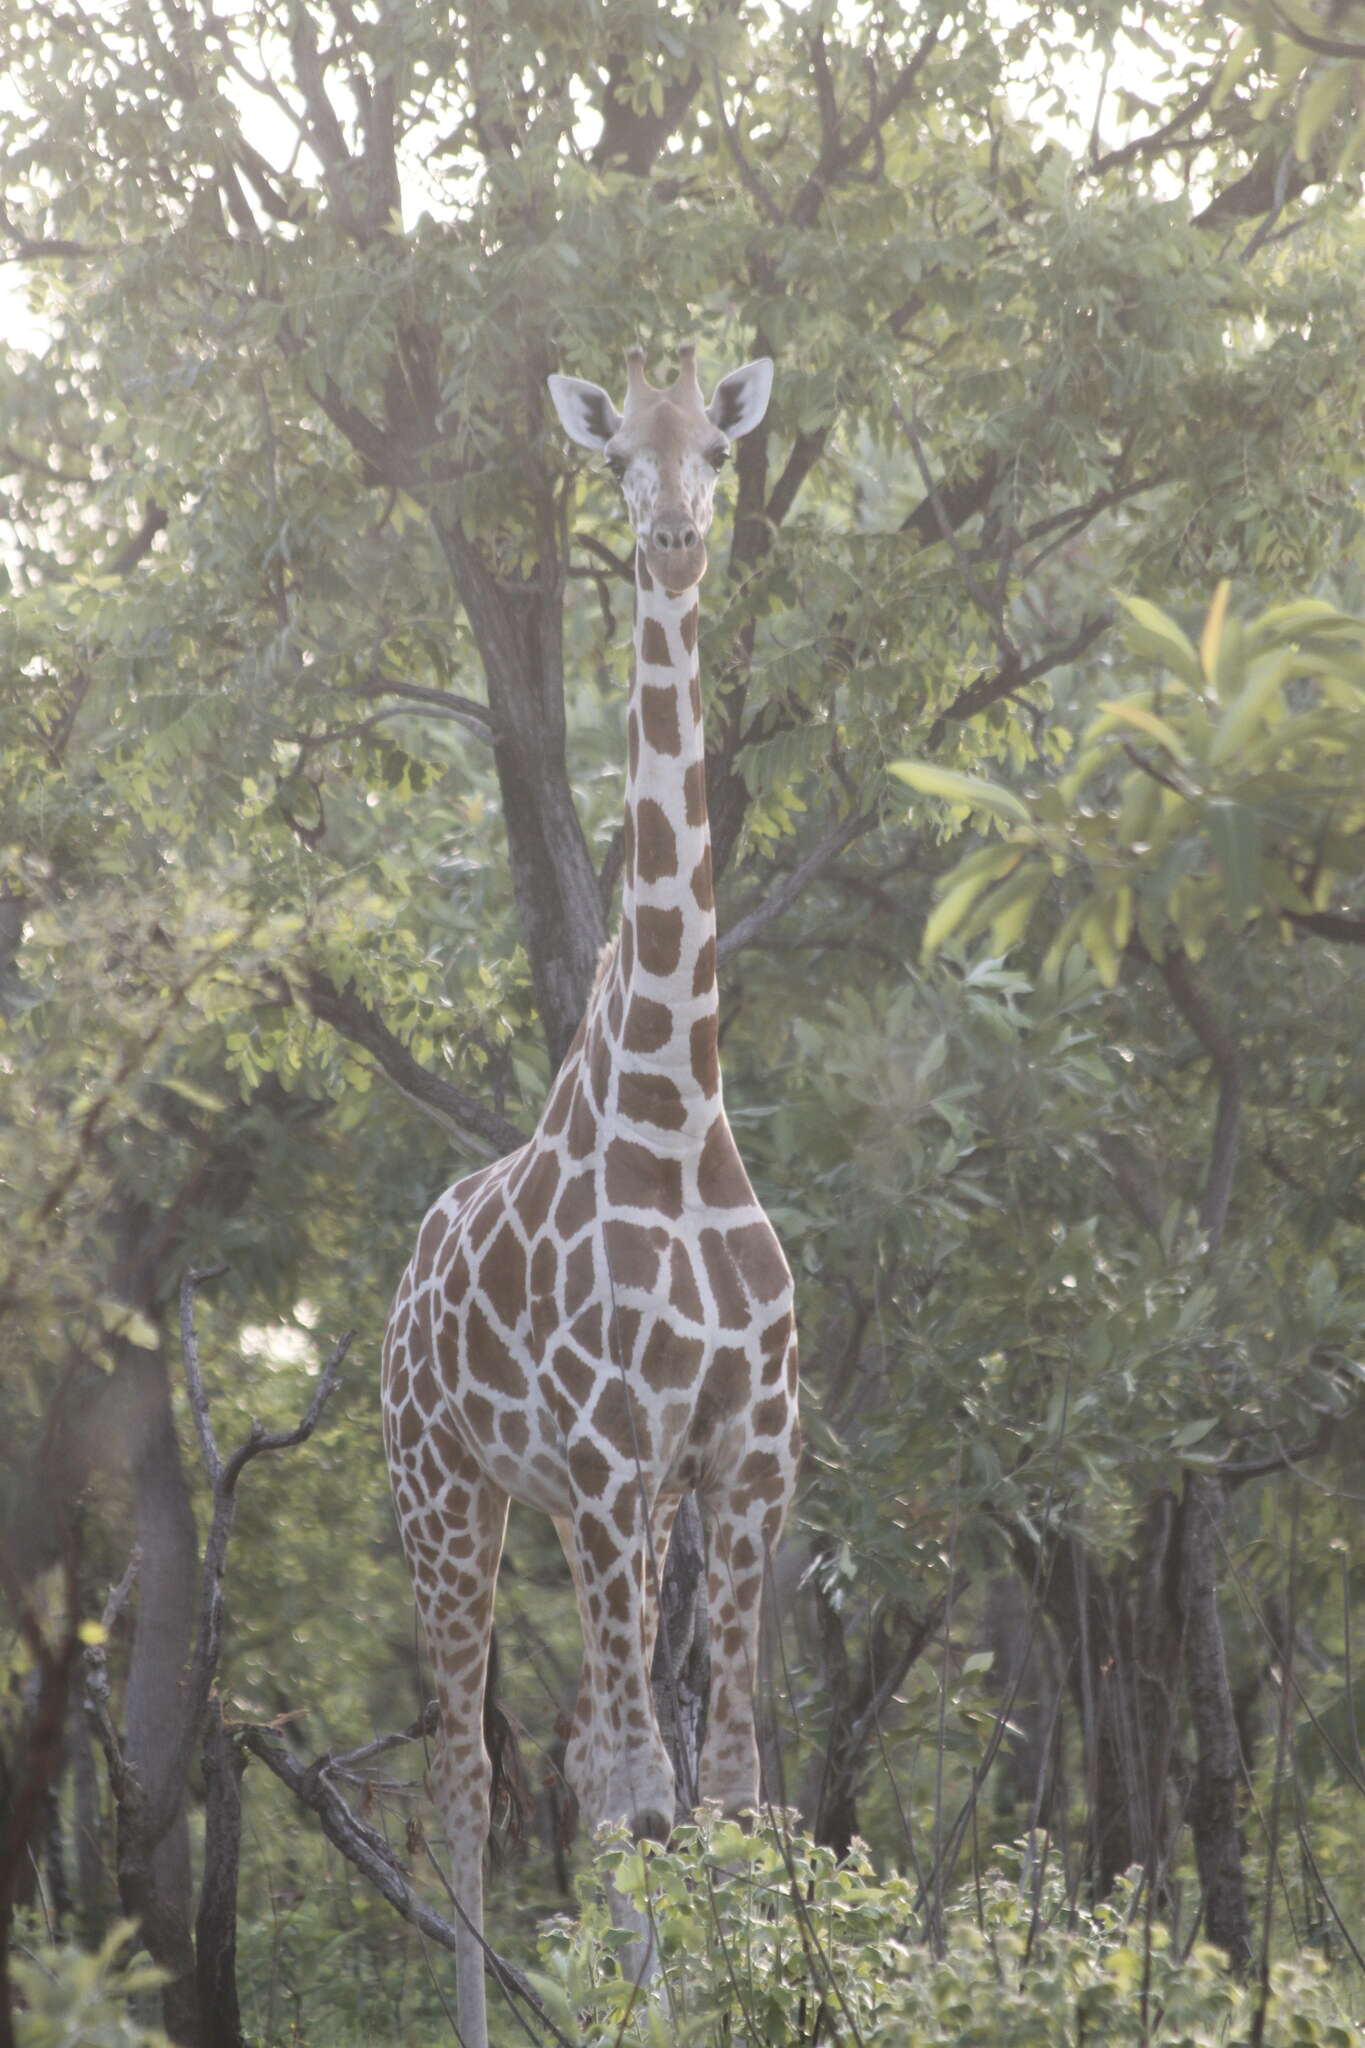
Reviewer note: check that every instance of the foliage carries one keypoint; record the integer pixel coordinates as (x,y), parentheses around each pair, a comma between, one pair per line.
(72,1998)
(311,671)
(766,1937)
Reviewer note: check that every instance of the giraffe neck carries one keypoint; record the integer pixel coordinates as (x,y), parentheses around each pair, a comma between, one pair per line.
(667,957)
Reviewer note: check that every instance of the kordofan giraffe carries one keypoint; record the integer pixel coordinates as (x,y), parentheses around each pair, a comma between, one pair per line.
(604,1318)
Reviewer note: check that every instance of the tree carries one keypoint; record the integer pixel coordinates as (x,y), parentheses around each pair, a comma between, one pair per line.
(312,650)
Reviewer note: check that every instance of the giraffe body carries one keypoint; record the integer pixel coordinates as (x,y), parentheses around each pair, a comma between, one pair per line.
(604,1318)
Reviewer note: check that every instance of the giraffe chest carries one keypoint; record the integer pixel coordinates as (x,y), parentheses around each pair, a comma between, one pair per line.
(633,1334)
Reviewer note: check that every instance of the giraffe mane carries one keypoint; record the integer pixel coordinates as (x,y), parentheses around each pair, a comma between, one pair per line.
(604,960)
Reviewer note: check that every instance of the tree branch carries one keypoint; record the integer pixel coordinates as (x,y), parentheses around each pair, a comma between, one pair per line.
(1008,678)
(746,929)
(481,1128)
(372,1856)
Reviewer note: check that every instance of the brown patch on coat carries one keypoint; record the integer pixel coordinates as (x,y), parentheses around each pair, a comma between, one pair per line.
(582,1123)
(544,1267)
(599,1068)
(656,848)
(633,741)
(723,1280)
(649,1025)
(620,1422)
(688,630)
(537,1192)
(638,1179)
(682,1284)
(694,695)
(694,793)
(706,1055)
(514,1430)
(486,1216)
(502,1276)
(659,717)
(586,1329)
(660,935)
(654,645)
(552,1123)
(704,971)
(670,1360)
(702,887)
(490,1361)
(575,1376)
(575,1206)
(770,1417)
(726,1389)
(759,1254)
(632,1255)
(588,1469)
(650,1099)
(428,1243)
(579,1276)
(773,1343)
(597,1544)
(722,1182)
(479,1415)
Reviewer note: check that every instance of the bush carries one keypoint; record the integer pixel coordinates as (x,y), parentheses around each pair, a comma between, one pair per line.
(766,1939)
(67,1998)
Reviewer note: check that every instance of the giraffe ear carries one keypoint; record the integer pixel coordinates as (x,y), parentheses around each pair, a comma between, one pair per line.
(742,398)
(586,414)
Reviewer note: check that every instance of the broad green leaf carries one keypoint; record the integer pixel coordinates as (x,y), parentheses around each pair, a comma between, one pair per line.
(1235,834)
(1211,637)
(971,790)
(1151,632)
(1097,936)
(1143,721)
(1248,706)
(948,914)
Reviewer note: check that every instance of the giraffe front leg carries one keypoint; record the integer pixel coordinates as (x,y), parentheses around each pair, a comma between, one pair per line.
(617,1762)
(455,1577)
(743,1527)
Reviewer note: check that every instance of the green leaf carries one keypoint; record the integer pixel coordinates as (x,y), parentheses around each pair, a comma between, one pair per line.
(1235,834)
(1192,1432)
(973,791)
(1320,100)
(948,914)
(1248,706)
(1142,720)
(1151,632)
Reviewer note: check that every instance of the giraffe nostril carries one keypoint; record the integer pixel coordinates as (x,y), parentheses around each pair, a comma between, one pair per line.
(689,536)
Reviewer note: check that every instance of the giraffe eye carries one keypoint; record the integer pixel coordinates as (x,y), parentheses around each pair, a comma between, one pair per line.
(617,465)
(719,456)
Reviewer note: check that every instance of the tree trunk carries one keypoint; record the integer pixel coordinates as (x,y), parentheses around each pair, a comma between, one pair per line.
(216,1927)
(1120,1639)
(153,1850)
(90,1876)
(1218,1761)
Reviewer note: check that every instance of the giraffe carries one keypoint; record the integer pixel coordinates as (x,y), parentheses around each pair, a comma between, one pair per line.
(604,1318)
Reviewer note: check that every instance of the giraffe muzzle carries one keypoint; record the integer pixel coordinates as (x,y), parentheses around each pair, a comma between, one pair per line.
(675,554)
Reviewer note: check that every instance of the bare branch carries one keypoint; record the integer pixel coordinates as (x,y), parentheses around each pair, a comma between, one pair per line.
(747,928)
(1326,46)
(1009,678)
(372,1856)
(482,1129)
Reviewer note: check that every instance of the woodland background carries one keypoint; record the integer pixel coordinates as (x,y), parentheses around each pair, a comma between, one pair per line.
(1044,1053)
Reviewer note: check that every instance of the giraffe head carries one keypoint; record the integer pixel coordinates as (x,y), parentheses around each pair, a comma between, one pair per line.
(667,448)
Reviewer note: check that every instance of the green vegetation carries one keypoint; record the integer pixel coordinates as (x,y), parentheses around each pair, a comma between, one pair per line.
(1043,971)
